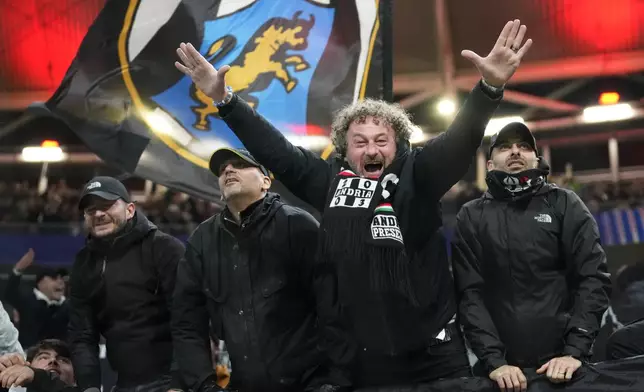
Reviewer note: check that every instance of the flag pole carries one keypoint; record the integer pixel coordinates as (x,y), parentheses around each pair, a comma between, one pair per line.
(387,34)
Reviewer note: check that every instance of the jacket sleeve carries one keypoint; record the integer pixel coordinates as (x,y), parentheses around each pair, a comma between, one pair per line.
(301,171)
(168,253)
(8,335)
(83,335)
(14,292)
(322,281)
(477,323)
(48,382)
(190,323)
(445,159)
(587,263)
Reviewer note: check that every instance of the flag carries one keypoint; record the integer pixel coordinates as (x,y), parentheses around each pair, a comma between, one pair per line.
(294,61)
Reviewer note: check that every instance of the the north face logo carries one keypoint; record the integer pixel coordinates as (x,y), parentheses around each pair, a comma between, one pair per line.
(543,218)
(93,185)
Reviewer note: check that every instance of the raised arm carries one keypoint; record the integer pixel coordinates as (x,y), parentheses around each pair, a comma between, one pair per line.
(444,160)
(302,172)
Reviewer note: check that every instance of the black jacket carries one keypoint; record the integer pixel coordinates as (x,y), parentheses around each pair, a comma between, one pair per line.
(122,289)
(427,174)
(255,283)
(38,319)
(531,276)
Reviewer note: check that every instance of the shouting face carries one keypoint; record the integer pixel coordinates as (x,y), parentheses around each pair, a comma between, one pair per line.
(371,147)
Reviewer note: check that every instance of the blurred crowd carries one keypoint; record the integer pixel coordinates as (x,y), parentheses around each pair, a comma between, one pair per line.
(54,209)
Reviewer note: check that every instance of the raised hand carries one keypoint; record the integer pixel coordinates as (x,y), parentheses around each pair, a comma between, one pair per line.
(25,261)
(503,60)
(203,74)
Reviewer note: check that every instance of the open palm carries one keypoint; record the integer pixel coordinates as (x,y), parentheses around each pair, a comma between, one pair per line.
(503,60)
(203,74)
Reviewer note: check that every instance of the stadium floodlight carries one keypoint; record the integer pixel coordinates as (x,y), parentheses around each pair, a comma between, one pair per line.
(446,107)
(605,113)
(48,151)
(496,124)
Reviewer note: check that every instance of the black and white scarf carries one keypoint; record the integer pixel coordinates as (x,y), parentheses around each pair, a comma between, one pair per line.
(360,228)
(504,185)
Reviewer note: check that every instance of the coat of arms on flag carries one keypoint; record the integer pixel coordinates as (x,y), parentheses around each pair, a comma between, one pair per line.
(294,61)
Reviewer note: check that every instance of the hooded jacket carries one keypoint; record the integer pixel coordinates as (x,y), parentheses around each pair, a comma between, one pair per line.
(121,288)
(393,327)
(531,277)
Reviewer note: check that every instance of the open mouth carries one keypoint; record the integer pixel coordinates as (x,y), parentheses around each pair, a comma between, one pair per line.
(231,181)
(54,371)
(372,168)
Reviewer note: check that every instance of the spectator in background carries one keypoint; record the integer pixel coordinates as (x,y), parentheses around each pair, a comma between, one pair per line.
(121,287)
(44,312)
(8,335)
(48,368)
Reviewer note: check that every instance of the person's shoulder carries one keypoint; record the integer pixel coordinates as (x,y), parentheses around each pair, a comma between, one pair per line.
(299,216)
(162,238)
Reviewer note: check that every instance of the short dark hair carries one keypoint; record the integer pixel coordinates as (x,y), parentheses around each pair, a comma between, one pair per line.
(58,346)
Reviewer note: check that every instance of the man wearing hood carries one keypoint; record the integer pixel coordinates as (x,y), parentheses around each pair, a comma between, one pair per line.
(121,287)
(380,206)
(530,270)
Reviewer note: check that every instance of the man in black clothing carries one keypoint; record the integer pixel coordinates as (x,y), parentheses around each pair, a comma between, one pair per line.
(380,203)
(48,368)
(43,310)
(121,287)
(249,271)
(529,268)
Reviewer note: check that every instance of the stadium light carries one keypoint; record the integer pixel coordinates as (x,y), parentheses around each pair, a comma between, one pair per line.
(496,124)
(417,135)
(446,107)
(48,151)
(610,98)
(604,113)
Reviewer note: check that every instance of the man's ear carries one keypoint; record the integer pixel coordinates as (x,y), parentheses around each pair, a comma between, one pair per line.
(490,165)
(266,184)
(130,210)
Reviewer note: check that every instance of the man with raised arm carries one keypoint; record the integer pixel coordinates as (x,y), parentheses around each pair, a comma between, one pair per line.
(380,203)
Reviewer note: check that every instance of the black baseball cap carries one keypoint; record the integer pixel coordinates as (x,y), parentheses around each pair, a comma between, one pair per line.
(108,188)
(225,154)
(512,132)
(50,272)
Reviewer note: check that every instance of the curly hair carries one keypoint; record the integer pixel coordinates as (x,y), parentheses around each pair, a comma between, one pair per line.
(392,115)
(58,346)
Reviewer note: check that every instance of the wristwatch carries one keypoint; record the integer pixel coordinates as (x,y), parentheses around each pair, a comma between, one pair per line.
(495,91)
(227,98)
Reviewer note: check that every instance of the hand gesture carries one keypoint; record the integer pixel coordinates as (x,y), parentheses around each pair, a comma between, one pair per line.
(8,360)
(26,260)
(18,375)
(499,65)
(203,74)
(560,369)
(509,378)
